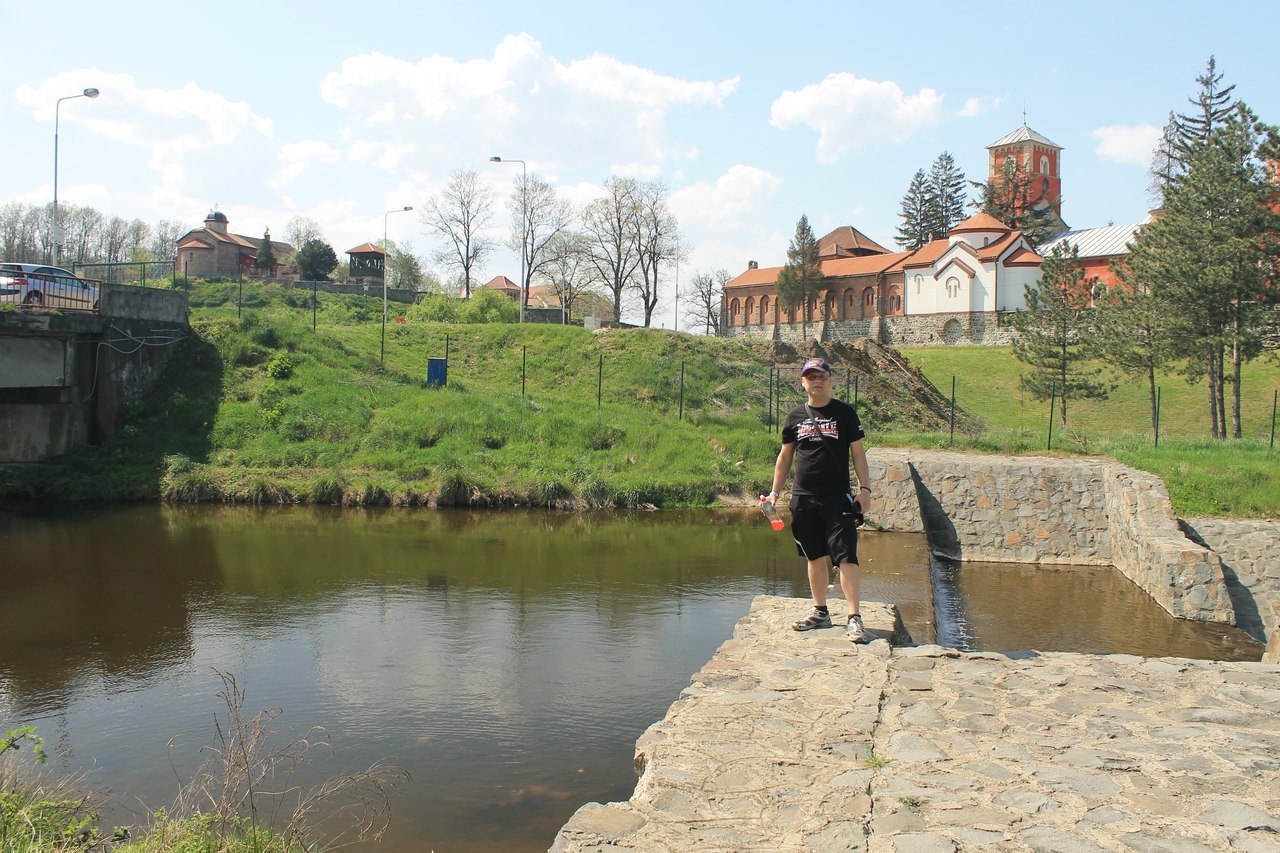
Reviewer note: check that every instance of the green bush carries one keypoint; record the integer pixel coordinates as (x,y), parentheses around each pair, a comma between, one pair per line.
(434,308)
(489,306)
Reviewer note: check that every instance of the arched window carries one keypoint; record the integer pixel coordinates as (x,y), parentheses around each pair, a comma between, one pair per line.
(764,309)
(895,301)
(953,287)
(850,303)
(831,307)
(919,280)
(751,306)
(734,308)
(1044,164)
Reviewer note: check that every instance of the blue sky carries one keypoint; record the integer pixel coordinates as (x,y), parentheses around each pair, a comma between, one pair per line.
(752,113)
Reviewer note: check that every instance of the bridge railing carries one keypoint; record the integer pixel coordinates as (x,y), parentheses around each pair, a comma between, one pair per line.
(40,290)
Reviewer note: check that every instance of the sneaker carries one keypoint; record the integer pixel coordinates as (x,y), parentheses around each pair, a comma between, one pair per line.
(816,619)
(855,632)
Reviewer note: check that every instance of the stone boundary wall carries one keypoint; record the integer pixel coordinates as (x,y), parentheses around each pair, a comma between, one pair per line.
(1052,511)
(1250,550)
(962,328)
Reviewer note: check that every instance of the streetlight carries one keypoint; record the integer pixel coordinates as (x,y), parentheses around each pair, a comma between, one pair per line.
(57,231)
(524,219)
(383,353)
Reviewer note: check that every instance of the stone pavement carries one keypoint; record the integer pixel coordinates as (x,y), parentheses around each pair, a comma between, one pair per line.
(797,742)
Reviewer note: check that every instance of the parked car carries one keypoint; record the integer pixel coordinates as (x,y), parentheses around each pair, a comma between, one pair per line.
(41,285)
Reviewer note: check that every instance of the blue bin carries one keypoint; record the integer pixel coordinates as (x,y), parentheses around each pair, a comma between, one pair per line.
(438,372)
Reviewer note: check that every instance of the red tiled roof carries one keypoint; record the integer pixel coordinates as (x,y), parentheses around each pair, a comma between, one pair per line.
(1024,258)
(366,249)
(831,268)
(193,243)
(501,282)
(926,254)
(847,240)
(994,250)
(968,270)
(979,222)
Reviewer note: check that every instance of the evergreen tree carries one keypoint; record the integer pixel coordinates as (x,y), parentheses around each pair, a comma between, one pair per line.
(1210,256)
(1008,197)
(1054,337)
(1186,133)
(266,257)
(946,195)
(1132,333)
(914,230)
(801,278)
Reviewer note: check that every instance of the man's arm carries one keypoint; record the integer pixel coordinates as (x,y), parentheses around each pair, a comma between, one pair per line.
(859,456)
(782,467)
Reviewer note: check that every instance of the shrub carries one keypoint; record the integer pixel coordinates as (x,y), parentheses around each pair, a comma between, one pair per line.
(281,367)
(489,306)
(434,308)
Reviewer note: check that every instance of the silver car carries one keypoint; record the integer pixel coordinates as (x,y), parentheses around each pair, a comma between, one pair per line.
(38,285)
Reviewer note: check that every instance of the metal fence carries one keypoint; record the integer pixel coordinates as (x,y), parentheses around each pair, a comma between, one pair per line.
(144,273)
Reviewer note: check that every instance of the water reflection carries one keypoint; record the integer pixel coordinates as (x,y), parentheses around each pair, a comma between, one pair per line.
(507,660)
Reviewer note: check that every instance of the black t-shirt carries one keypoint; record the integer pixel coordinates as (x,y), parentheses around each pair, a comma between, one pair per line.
(817,472)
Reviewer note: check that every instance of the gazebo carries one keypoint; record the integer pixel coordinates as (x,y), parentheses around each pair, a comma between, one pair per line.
(368,264)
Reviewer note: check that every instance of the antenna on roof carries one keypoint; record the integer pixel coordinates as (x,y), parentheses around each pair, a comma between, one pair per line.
(1024,113)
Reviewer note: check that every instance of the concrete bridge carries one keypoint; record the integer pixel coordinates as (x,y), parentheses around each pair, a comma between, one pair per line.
(66,375)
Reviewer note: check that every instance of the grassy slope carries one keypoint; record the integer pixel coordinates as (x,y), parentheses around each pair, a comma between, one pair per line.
(1205,477)
(336,426)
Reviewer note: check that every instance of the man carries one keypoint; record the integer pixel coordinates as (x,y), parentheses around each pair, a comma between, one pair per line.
(821,436)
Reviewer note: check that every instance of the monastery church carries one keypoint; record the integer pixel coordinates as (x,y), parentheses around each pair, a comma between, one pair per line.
(957,289)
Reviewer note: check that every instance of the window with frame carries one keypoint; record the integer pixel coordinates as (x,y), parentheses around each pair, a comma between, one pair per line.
(953,287)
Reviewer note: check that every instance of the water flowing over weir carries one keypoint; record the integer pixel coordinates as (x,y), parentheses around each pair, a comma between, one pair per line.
(950,622)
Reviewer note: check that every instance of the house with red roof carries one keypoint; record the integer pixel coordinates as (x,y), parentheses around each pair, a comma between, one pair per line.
(213,251)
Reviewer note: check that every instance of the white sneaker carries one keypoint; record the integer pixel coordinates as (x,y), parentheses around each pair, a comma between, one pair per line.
(854,631)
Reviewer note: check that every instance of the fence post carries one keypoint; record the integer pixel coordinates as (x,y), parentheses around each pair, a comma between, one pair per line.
(770,397)
(524,358)
(446,359)
(240,298)
(599,380)
(1275,397)
(953,410)
(680,417)
(855,391)
(1053,398)
(315,285)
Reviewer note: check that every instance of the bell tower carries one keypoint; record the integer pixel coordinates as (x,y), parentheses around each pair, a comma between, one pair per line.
(1038,158)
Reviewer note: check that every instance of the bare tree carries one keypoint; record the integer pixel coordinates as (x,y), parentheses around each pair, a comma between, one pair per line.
(538,216)
(704,300)
(567,269)
(656,233)
(609,224)
(458,216)
(301,229)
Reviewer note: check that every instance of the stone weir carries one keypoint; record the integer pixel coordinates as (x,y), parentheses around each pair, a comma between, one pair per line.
(1075,511)
(805,742)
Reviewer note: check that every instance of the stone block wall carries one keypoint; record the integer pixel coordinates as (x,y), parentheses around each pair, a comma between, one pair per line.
(921,330)
(1151,550)
(1053,511)
(1250,551)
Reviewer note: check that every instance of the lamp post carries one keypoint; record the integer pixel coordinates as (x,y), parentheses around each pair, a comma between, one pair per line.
(524,219)
(57,230)
(382,354)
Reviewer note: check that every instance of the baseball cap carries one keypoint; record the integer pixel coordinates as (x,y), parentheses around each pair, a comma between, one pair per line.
(815,364)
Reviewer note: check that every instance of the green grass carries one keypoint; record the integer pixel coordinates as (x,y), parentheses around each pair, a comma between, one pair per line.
(259,407)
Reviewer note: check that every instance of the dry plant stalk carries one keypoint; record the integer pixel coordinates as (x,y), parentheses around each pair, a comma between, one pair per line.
(245,776)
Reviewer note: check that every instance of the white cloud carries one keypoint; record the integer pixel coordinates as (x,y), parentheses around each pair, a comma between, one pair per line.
(297,156)
(975,107)
(730,201)
(852,112)
(474,108)
(1121,143)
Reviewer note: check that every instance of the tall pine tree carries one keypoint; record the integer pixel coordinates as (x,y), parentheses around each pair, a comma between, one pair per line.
(946,195)
(1211,256)
(914,230)
(1054,333)
(1186,133)
(801,277)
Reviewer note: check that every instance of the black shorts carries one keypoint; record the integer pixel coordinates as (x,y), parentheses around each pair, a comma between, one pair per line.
(823,525)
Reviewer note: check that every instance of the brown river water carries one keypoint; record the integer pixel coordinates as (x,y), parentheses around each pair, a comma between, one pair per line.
(506,660)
